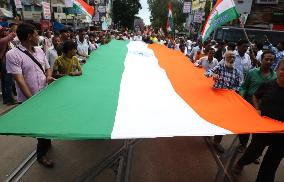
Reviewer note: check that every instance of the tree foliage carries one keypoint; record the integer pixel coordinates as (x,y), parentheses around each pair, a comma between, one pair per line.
(124,12)
(207,10)
(159,13)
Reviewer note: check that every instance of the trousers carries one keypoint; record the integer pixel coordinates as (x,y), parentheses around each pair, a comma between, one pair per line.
(43,145)
(271,159)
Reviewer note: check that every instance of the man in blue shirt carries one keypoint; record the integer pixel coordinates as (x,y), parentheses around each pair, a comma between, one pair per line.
(278,51)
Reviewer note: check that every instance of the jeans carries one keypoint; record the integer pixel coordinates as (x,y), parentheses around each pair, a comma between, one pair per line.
(271,159)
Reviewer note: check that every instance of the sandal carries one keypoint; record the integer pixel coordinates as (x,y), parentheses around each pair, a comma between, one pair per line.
(46,162)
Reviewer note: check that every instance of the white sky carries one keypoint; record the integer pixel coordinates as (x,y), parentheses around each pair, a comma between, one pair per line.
(144,12)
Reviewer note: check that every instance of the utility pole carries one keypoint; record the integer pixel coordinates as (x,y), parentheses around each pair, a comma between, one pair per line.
(14,9)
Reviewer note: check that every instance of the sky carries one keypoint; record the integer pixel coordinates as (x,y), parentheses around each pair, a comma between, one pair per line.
(144,12)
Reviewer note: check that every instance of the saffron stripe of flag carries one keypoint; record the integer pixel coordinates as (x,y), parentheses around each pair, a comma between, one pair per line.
(84,7)
(223,108)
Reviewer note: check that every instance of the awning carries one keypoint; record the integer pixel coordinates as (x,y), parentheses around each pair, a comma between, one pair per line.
(5,13)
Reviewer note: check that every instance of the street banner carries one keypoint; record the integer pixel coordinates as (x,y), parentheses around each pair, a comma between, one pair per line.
(223,12)
(68,3)
(198,17)
(18,4)
(46,10)
(187,7)
(135,90)
(96,16)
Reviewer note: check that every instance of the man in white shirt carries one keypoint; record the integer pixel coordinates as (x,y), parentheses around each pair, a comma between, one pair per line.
(54,51)
(47,42)
(259,48)
(242,60)
(207,62)
(82,45)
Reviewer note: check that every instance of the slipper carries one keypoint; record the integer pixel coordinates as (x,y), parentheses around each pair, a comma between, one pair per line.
(46,162)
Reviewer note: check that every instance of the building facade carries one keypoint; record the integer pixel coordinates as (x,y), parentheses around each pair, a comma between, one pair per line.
(264,14)
(32,11)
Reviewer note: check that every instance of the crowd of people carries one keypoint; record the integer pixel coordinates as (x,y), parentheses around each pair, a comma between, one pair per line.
(31,59)
(256,72)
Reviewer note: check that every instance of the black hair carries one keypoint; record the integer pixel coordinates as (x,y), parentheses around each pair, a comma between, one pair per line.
(56,33)
(231,45)
(24,30)
(68,45)
(12,24)
(259,46)
(81,30)
(64,30)
(266,52)
(55,36)
(211,49)
(207,42)
(39,32)
(241,42)
(221,43)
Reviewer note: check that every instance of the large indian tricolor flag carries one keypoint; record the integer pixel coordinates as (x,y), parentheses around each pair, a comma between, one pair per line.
(223,12)
(84,8)
(135,90)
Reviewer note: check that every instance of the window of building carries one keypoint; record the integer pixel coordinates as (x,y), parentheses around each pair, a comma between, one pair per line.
(38,8)
(28,7)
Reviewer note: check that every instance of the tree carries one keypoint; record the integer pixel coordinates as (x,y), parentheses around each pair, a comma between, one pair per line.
(124,12)
(159,13)
(207,10)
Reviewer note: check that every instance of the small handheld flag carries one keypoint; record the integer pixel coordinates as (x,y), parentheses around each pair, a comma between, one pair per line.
(170,22)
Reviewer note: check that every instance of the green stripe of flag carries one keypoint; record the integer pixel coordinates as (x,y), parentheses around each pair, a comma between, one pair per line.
(74,107)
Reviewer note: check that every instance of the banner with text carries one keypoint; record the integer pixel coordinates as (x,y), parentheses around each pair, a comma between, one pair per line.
(18,4)
(187,7)
(46,10)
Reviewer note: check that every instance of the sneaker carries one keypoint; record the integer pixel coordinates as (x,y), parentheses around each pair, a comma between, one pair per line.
(237,169)
(219,148)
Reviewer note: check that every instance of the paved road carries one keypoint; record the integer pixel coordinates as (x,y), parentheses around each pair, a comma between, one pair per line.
(180,159)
